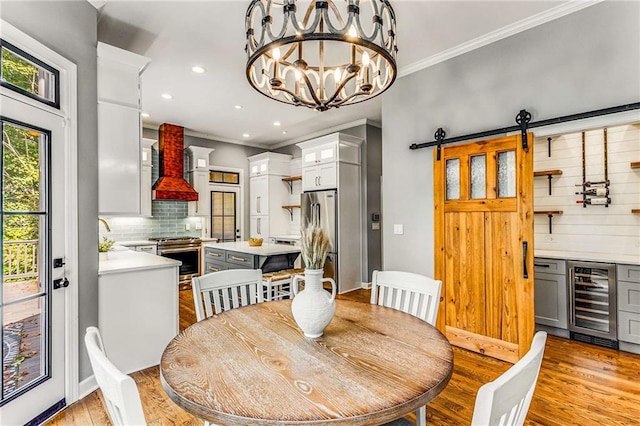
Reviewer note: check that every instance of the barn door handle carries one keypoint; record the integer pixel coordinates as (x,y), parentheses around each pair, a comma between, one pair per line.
(525,245)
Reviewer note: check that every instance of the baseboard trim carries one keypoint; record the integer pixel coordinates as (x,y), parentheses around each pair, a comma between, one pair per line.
(365,285)
(87,386)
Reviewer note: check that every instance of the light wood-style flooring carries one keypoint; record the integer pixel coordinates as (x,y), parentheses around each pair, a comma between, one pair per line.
(579,384)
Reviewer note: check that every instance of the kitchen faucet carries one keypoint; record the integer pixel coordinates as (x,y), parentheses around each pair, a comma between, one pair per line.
(106,225)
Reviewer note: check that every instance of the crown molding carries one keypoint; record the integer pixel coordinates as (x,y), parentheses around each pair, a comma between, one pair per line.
(517,27)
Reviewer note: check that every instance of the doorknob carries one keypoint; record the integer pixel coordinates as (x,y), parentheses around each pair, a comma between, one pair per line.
(60,282)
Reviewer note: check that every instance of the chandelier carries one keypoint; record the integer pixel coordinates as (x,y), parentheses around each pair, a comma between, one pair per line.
(324,58)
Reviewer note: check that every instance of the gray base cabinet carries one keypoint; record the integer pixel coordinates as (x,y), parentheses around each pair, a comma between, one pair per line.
(216,259)
(551,292)
(629,304)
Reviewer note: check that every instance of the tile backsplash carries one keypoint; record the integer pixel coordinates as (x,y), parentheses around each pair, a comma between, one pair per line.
(169,220)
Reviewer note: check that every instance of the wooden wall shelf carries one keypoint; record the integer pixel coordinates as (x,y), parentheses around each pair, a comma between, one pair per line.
(635,164)
(291,208)
(549,174)
(635,211)
(289,181)
(549,214)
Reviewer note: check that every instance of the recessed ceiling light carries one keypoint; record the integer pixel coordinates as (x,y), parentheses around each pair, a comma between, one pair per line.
(167,96)
(197,69)
(245,135)
(284,132)
(238,106)
(144,114)
(276,123)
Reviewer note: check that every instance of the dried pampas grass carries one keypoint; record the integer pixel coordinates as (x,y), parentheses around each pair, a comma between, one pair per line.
(315,246)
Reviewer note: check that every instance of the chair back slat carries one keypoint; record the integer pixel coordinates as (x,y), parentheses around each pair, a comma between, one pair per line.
(119,390)
(407,292)
(228,289)
(506,400)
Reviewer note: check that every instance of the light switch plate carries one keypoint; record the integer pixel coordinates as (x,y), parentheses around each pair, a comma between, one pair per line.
(198,225)
(398,229)
(375,226)
(187,227)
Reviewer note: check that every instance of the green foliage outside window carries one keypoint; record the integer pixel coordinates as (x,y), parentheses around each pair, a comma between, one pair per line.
(21,179)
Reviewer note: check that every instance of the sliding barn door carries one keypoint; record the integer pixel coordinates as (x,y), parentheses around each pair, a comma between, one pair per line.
(484,245)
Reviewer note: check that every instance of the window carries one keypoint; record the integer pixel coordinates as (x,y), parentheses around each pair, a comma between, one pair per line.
(29,76)
(218,176)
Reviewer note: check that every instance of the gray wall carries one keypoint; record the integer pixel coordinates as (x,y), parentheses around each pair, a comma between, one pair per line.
(581,62)
(69,28)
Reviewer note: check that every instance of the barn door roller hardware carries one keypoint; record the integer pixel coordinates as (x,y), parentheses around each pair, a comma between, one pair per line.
(524,123)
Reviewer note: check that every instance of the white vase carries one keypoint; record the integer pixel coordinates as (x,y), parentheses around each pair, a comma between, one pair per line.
(103,255)
(313,308)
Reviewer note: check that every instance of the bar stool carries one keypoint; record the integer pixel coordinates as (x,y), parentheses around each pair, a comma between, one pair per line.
(277,285)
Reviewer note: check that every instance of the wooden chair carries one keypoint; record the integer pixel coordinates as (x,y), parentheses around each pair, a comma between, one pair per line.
(119,390)
(411,293)
(224,290)
(407,292)
(506,400)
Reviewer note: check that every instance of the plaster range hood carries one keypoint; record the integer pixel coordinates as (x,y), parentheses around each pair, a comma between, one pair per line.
(171,184)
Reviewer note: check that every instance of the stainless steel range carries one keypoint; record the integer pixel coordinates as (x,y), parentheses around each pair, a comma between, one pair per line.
(185,249)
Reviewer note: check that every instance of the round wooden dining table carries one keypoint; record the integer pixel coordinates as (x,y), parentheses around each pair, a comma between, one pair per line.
(253,366)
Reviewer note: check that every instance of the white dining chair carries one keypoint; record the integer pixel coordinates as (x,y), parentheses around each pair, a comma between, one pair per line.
(407,292)
(119,390)
(223,290)
(506,400)
(411,293)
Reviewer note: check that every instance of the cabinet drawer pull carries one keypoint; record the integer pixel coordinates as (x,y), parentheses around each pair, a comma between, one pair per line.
(541,265)
(212,269)
(240,259)
(214,254)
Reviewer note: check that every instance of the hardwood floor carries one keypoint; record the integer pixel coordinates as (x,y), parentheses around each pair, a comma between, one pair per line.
(579,384)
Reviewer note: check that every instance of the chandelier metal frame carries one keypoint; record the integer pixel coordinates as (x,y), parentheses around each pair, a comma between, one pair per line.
(278,62)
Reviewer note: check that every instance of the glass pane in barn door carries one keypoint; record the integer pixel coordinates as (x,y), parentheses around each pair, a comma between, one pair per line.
(453,179)
(478,176)
(506,174)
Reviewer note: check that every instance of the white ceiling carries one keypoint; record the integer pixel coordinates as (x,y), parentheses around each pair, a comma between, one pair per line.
(176,35)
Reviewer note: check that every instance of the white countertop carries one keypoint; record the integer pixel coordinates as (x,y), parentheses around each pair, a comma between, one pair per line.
(590,257)
(128,260)
(137,243)
(265,249)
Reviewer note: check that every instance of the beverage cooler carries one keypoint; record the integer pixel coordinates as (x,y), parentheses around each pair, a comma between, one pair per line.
(592,307)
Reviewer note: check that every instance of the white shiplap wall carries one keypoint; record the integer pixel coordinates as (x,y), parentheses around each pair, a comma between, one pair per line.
(594,231)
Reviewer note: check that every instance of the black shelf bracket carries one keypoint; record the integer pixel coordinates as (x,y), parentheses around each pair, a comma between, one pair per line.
(549,155)
(290,183)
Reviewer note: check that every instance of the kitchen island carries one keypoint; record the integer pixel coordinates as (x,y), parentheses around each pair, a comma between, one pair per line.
(240,255)
(137,307)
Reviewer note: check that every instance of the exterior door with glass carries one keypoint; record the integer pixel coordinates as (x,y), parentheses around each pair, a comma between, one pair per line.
(484,246)
(33,235)
(224,214)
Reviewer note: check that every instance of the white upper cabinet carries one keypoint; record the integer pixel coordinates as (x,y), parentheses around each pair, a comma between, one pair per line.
(321,156)
(269,163)
(119,131)
(268,193)
(145,181)
(199,179)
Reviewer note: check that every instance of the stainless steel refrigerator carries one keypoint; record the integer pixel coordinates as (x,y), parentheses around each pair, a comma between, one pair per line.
(321,208)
